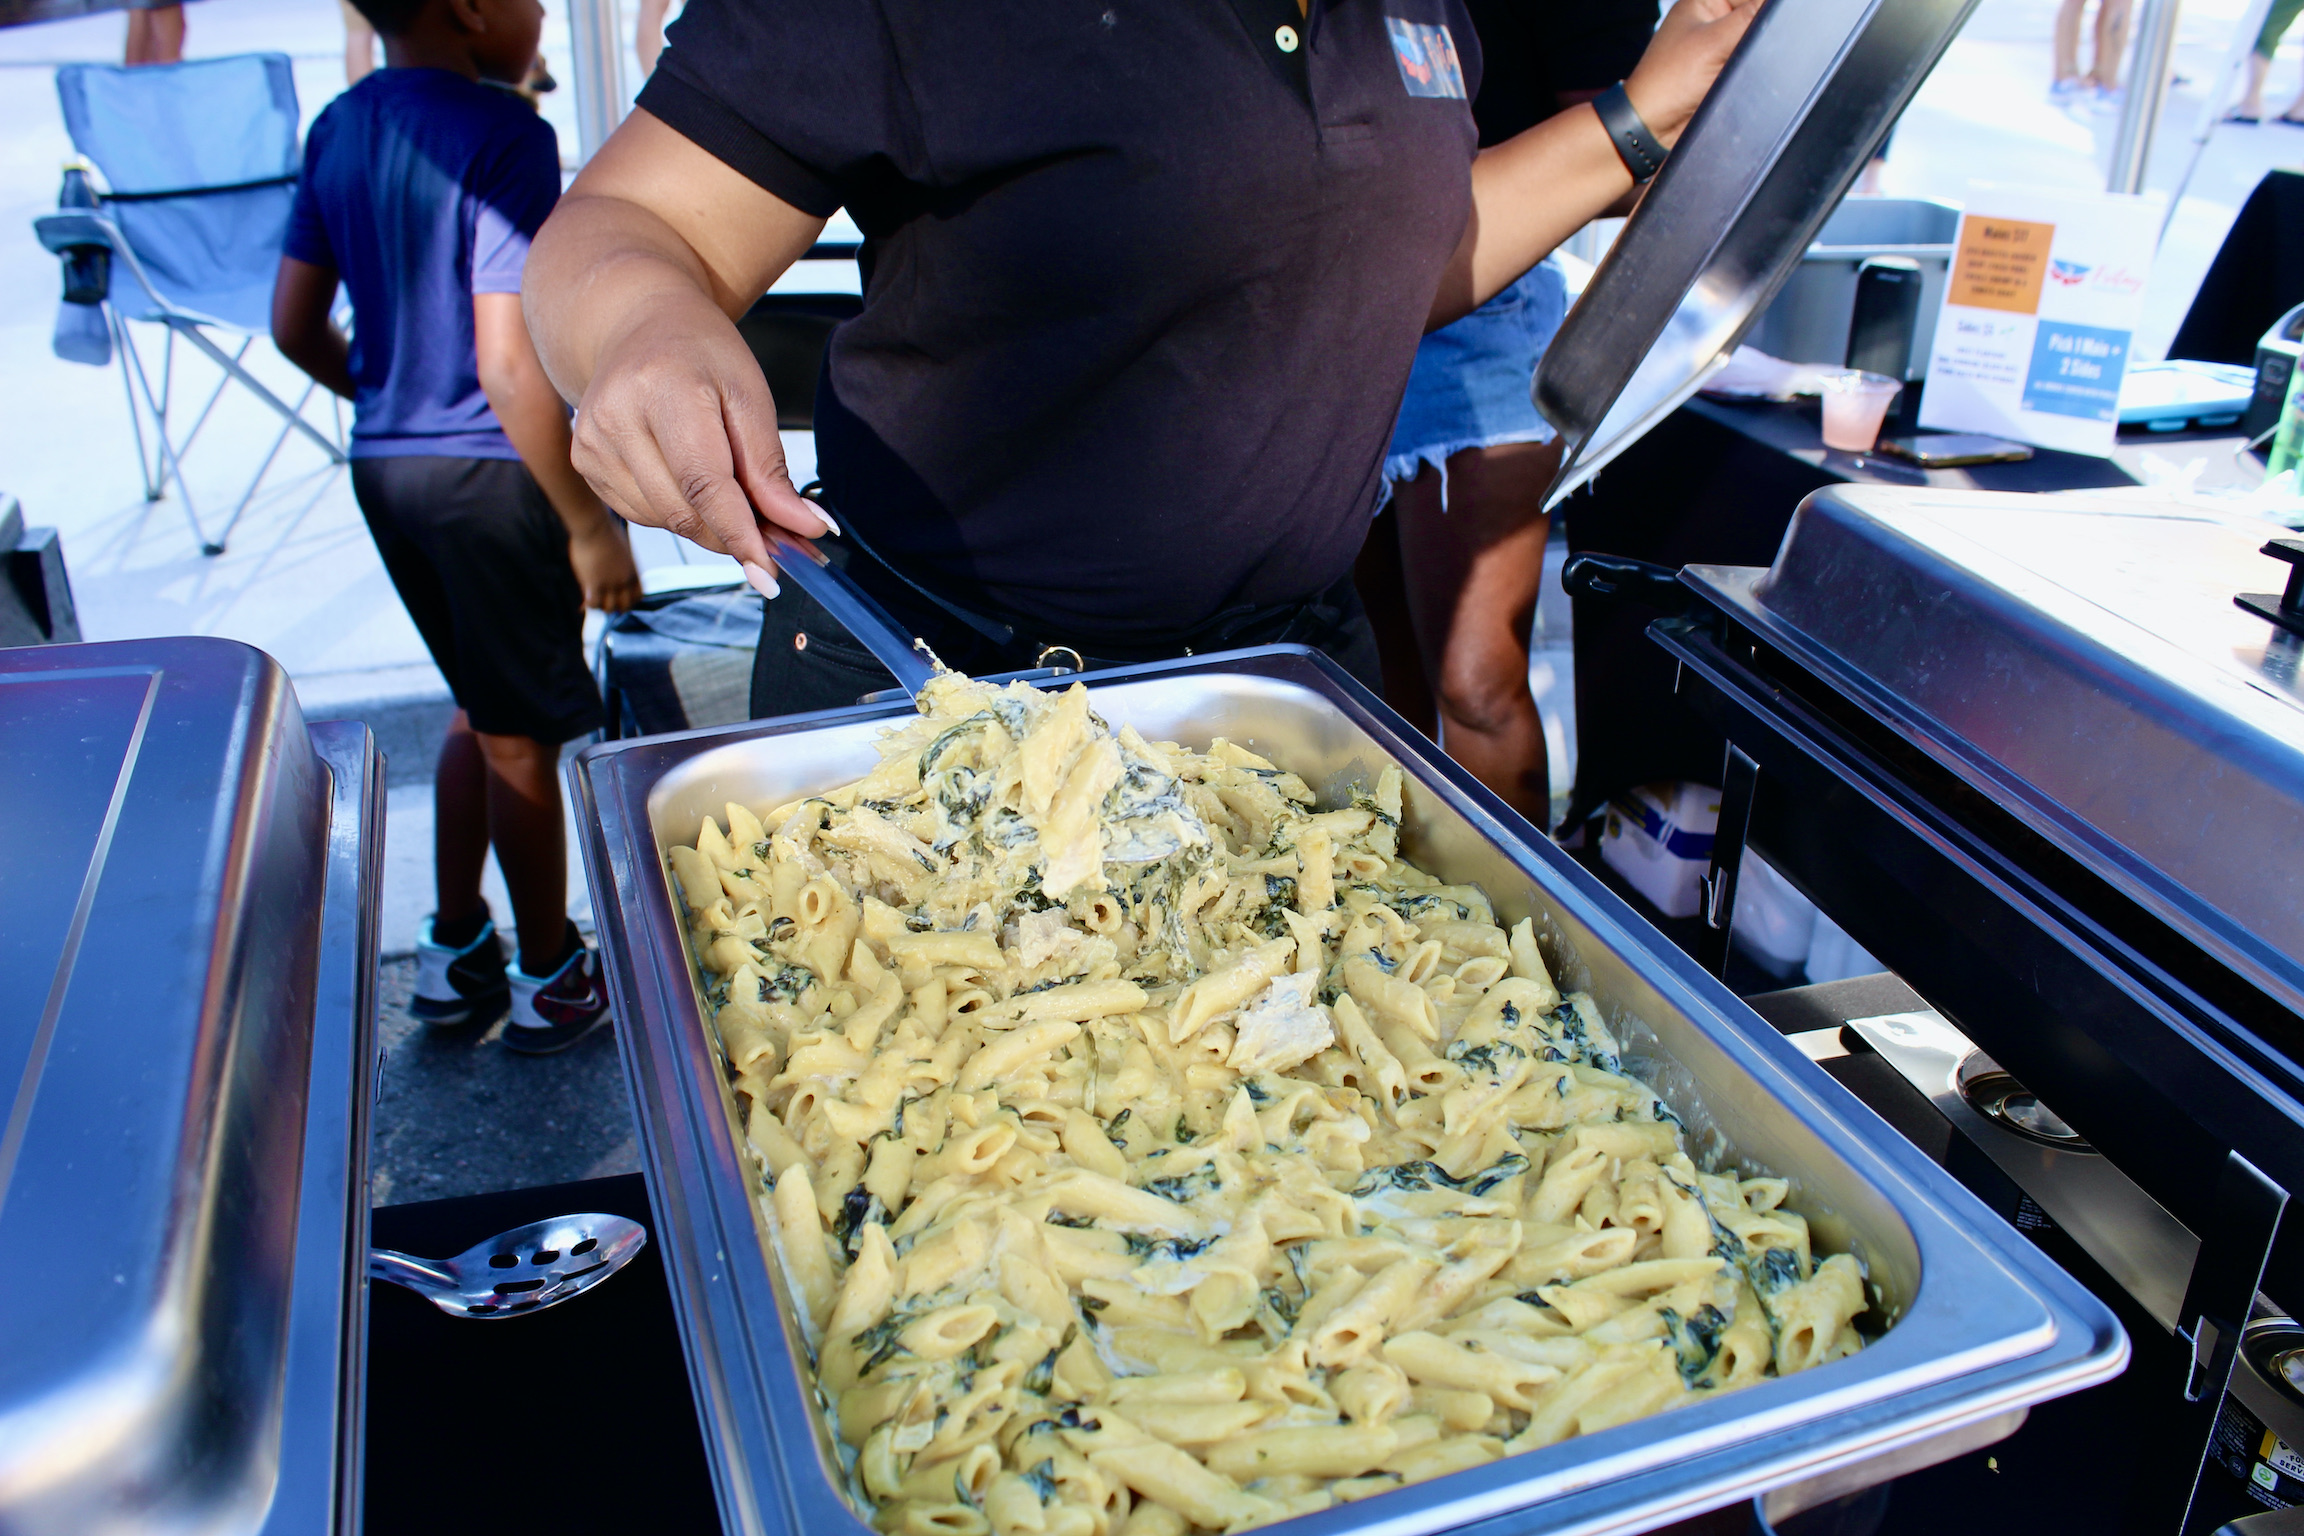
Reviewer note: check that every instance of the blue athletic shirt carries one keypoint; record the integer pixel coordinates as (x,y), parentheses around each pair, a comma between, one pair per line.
(422,188)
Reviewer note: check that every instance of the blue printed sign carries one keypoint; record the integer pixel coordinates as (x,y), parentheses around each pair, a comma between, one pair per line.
(2076,371)
(1427,58)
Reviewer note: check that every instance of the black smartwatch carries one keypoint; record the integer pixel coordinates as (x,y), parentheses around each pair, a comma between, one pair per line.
(1639,149)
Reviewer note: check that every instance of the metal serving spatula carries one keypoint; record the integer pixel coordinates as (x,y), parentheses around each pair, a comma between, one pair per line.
(521,1271)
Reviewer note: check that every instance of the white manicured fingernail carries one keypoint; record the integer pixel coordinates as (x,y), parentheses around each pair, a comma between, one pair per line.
(835,527)
(762,579)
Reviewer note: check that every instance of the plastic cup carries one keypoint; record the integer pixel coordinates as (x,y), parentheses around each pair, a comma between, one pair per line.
(1855,404)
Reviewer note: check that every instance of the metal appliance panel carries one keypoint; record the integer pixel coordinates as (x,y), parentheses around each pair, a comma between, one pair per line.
(1813,89)
(161,906)
(2146,1250)
(2079,659)
(1983,1324)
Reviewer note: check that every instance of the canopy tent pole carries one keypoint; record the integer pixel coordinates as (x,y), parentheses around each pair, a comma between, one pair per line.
(2147,96)
(2213,102)
(593,27)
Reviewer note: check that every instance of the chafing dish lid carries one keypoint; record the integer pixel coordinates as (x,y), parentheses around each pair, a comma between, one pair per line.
(164,820)
(2081,658)
(1813,89)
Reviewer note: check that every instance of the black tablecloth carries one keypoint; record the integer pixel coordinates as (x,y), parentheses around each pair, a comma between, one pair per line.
(2257,277)
(577,1419)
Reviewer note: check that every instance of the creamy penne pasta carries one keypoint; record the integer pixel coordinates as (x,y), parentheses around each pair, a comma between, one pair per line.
(1150,1151)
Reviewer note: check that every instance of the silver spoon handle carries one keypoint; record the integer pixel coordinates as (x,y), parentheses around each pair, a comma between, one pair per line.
(902,654)
(406,1269)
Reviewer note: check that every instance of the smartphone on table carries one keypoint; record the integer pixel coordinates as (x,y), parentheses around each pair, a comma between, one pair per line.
(1954,450)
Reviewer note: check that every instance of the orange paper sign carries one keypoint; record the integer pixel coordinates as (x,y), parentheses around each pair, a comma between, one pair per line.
(2000,263)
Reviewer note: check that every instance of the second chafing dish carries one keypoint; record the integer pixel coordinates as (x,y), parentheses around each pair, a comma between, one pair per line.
(1982,1325)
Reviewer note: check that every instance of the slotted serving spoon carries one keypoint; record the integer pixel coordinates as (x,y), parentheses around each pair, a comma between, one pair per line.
(521,1271)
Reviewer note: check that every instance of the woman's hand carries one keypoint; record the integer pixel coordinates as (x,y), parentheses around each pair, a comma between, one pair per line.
(1534,190)
(677,430)
(632,290)
(1683,59)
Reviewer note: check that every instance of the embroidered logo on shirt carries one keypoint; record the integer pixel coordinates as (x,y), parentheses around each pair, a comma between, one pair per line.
(1426,55)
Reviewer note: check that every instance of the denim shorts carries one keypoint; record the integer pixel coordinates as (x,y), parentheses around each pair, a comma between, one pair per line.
(1470,386)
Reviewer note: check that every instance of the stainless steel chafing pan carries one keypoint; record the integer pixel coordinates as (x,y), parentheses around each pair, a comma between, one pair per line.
(1981,1324)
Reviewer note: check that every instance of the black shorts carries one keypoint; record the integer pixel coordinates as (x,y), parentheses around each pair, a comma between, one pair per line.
(481,560)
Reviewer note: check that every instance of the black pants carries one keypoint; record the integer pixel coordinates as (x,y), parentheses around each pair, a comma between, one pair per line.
(807,661)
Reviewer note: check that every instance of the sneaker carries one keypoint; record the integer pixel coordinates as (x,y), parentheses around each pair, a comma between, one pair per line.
(456,987)
(2065,92)
(551,1013)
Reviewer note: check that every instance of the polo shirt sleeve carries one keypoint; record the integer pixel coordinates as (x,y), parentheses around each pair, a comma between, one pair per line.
(512,191)
(307,239)
(806,98)
(1598,42)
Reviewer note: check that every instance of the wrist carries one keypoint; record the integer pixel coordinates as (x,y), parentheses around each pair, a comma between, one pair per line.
(1649,102)
(1636,145)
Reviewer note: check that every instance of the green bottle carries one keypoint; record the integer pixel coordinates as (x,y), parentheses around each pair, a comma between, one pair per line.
(2288,440)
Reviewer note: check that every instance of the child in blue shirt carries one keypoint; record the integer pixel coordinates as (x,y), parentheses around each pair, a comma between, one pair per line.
(422,186)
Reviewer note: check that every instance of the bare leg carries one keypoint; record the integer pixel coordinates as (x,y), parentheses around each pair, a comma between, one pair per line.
(459,823)
(1473,573)
(648,33)
(2067,44)
(156,36)
(2111,43)
(2251,102)
(531,848)
(1384,593)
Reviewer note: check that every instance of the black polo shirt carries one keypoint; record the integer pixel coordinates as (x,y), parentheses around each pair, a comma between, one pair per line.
(1533,50)
(1143,282)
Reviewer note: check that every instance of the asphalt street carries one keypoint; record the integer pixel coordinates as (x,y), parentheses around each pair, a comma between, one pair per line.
(460,1115)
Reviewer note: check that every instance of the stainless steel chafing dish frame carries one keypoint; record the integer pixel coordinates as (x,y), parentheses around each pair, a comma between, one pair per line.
(322,1464)
(2113,994)
(1991,1328)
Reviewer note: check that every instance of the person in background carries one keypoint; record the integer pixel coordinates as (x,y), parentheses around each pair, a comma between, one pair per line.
(2250,110)
(1461,554)
(359,44)
(155,34)
(2100,86)
(421,188)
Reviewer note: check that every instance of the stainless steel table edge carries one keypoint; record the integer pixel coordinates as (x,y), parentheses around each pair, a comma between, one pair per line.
(1731,588)
(319,1489)
(2074,1342)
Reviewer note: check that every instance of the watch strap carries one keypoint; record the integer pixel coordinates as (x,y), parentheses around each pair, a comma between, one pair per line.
(1642,153)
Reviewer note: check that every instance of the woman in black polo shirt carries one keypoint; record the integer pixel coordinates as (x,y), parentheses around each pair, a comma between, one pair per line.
(1143,283)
